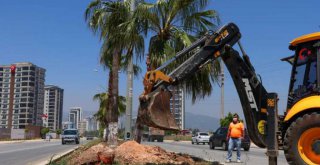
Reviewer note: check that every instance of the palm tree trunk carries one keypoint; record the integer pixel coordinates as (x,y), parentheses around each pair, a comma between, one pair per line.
(113,105)
(109,105)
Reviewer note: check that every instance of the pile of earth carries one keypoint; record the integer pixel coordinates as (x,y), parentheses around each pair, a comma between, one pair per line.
(129,152)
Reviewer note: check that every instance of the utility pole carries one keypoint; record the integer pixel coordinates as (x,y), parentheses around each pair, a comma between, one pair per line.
(222,90)
(128,126)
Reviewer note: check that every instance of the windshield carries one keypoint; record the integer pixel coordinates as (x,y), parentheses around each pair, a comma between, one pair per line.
(204,134)
(70,132)
(304,77)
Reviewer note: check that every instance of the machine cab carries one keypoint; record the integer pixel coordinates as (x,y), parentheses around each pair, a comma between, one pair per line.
(304,80)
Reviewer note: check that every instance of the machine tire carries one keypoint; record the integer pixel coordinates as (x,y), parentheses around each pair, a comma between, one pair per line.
(294,133)
(211,145)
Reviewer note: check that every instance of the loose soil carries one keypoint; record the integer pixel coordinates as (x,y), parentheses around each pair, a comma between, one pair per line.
(129,152)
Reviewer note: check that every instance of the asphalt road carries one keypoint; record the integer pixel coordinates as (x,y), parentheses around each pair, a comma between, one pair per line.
(253,157)
(32,152)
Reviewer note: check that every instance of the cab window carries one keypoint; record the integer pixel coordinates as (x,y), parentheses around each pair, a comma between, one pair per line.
(304,76)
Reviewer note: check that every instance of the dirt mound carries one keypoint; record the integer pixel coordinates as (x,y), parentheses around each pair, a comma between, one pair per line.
(131,152)
(91,155)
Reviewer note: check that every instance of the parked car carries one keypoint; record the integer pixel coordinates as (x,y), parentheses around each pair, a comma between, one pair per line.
(200,137)
(89,137)
(218,139)
(70,135)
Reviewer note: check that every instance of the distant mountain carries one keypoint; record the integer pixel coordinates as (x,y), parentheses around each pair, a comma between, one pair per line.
(203,123)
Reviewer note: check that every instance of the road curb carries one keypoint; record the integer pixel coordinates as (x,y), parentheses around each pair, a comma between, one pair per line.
(58,156)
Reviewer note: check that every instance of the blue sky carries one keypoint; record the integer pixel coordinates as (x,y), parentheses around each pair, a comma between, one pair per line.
(53,35)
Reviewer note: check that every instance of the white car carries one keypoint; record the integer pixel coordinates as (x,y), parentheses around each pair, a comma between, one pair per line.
(200,137)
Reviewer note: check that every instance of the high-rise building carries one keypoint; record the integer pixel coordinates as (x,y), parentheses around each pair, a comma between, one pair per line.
(82,127)
(75,116)
(21,95)
(92,123)
(53,107)
(177,106)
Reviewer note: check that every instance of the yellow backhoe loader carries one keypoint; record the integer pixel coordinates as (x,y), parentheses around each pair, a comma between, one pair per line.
(297,130)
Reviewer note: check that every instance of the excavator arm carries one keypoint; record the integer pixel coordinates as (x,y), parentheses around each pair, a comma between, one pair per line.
(154,109)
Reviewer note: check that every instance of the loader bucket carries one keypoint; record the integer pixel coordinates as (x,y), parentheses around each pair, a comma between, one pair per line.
(154,110)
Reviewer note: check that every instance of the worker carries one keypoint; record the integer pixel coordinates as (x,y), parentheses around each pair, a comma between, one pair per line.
(234,137)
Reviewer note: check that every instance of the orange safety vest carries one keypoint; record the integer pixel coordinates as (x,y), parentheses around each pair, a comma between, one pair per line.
(236,130)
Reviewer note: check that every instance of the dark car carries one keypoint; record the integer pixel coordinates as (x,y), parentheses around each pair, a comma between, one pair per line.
(218,139)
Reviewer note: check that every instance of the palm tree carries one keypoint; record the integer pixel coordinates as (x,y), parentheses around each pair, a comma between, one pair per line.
(120,33)
(175,25)
(101,113)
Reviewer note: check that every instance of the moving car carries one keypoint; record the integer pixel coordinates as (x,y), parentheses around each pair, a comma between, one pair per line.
(200,137)
(70,135)
(218,139)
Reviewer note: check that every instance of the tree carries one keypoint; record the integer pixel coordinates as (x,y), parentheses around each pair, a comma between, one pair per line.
(101,114)
(110,20)
(58,132)
(44,131)
(176,24)
(227,120)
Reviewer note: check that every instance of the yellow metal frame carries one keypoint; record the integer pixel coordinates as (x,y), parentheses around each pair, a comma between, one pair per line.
(305,38)
(303,105)
(153,77)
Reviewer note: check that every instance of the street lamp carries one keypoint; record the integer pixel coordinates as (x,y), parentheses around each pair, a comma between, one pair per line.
(128,129)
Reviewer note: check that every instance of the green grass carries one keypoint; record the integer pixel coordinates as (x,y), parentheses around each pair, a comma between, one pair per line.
(65,159)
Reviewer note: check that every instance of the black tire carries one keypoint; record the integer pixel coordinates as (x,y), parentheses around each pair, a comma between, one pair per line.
(211,145)
(246,148)
(77,141)
(197,142)
(63,142)
(192,142)
(203,143)
(224,146)
(293,134)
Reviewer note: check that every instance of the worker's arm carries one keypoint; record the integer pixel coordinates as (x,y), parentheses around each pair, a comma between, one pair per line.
(228,134)
(242,131)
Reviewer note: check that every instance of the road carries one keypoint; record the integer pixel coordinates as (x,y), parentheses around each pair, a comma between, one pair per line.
(32,152)
(253,157)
